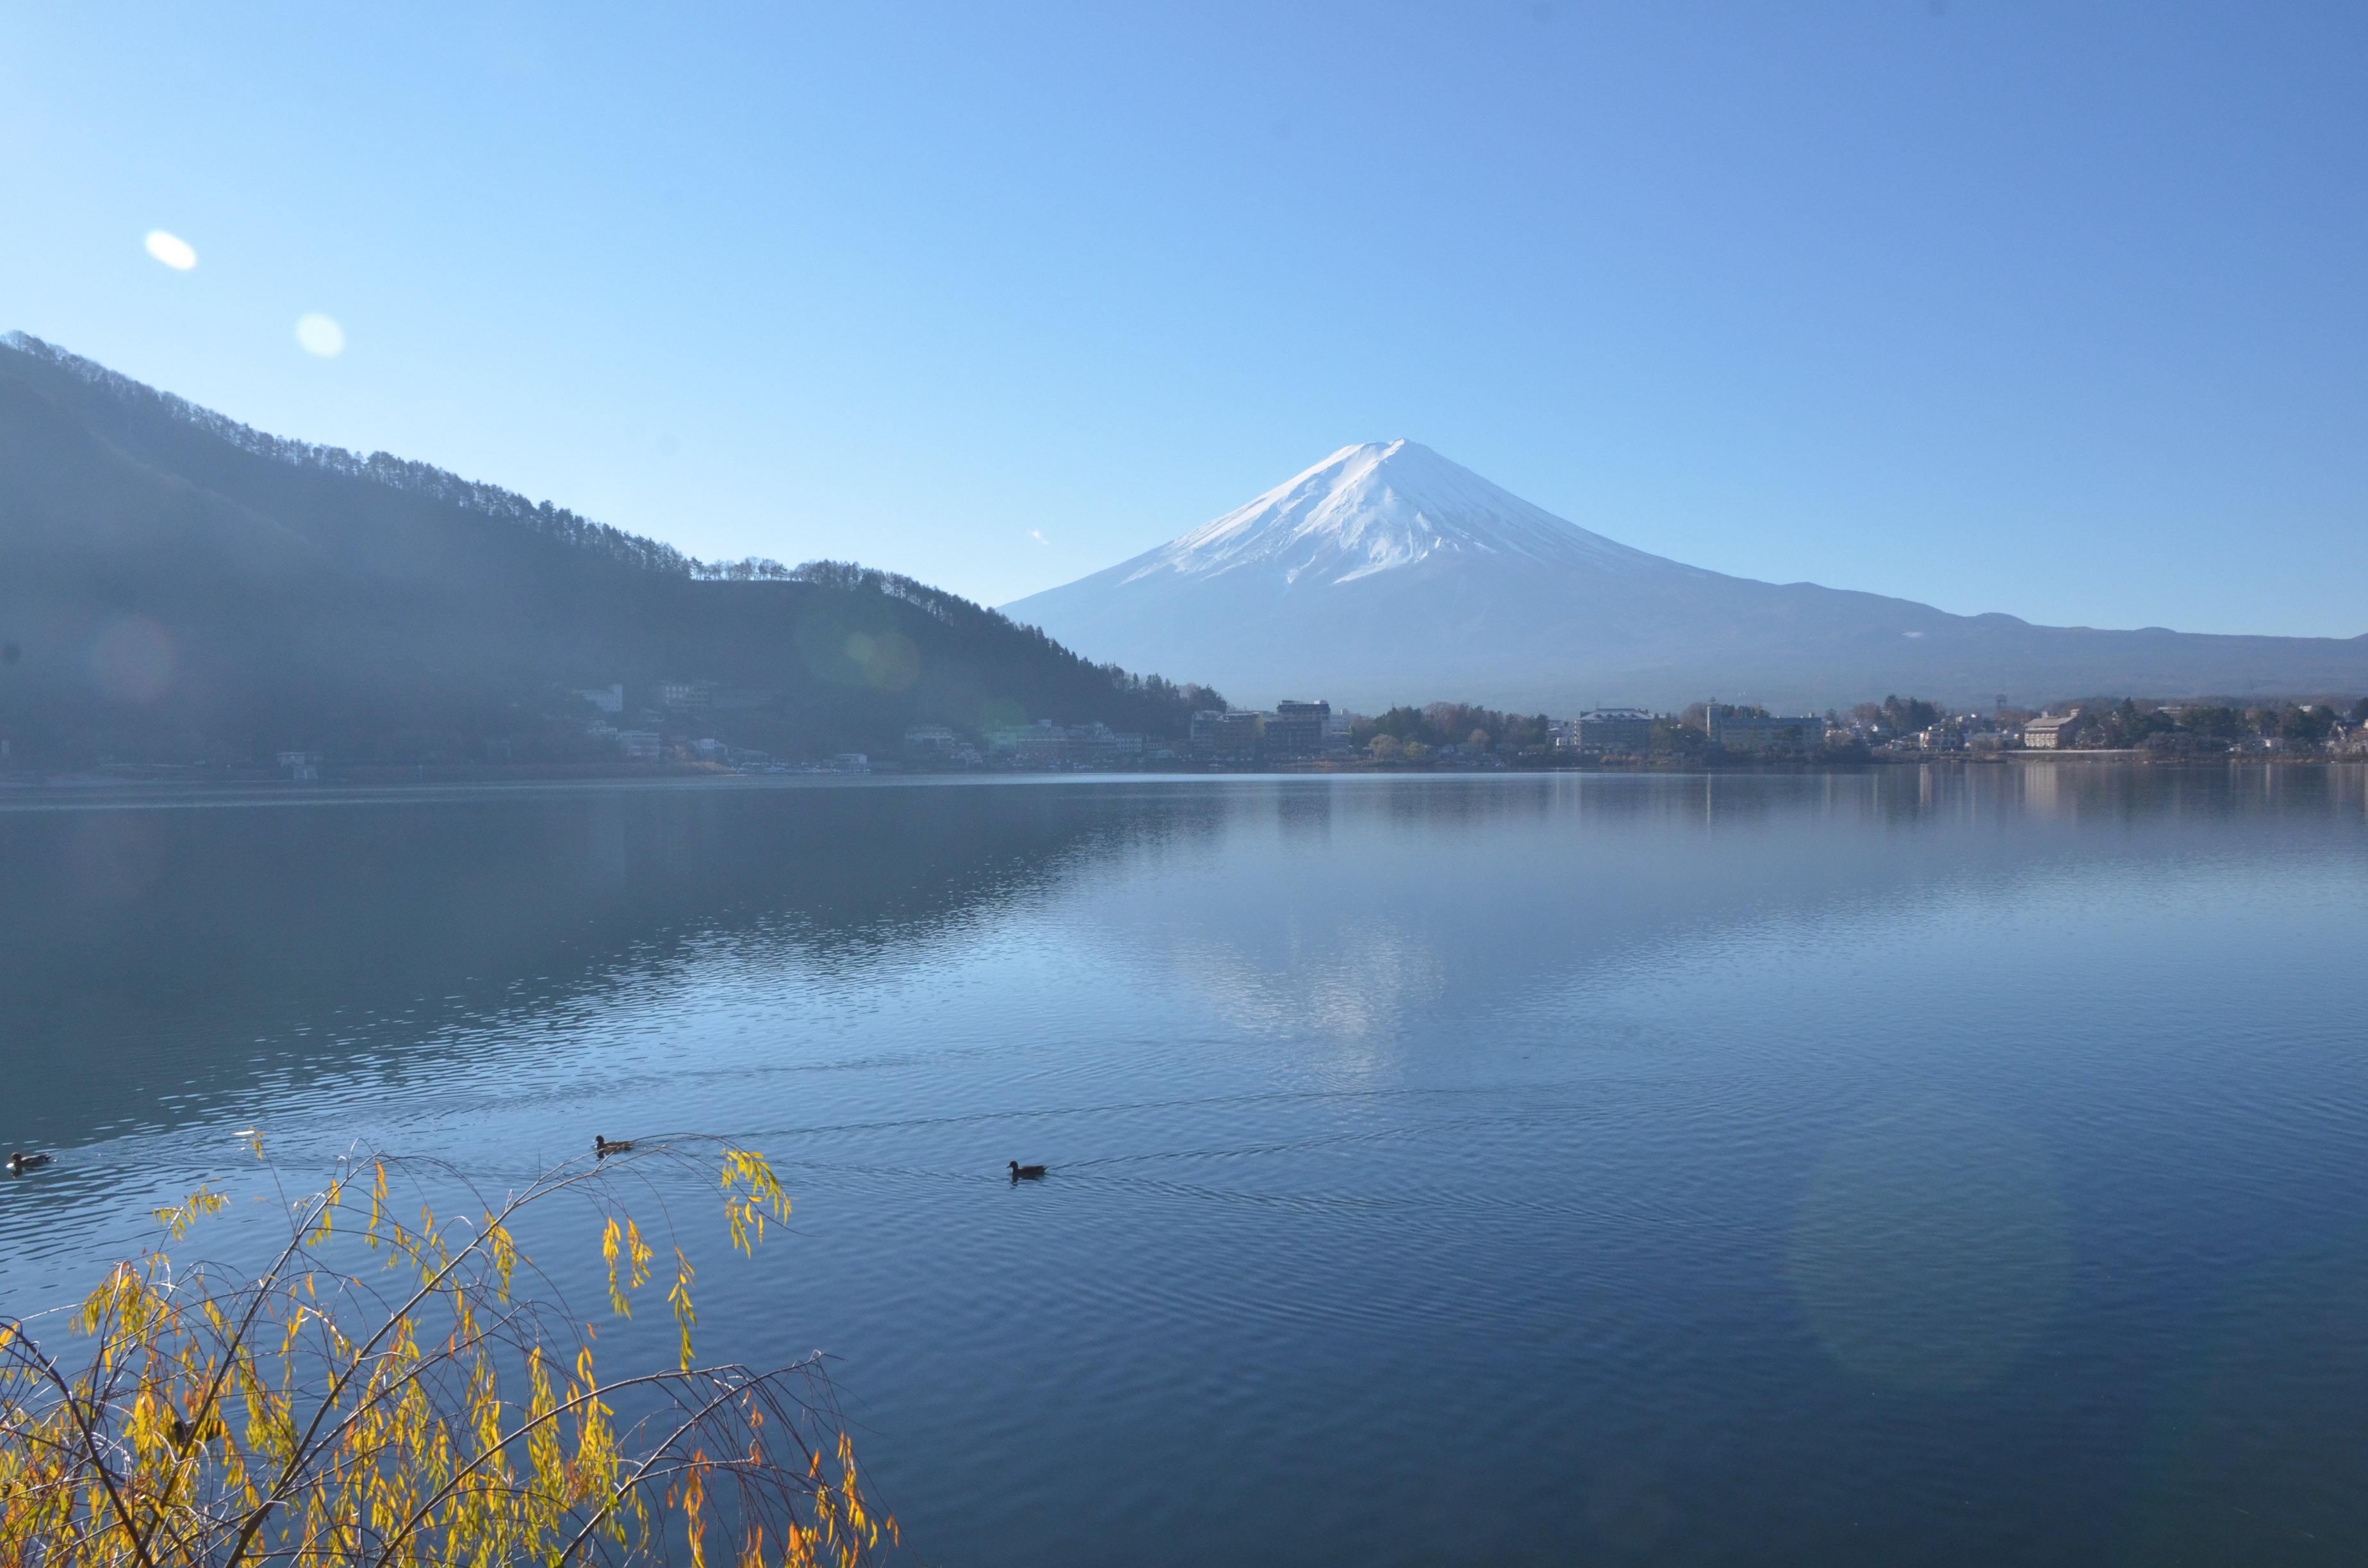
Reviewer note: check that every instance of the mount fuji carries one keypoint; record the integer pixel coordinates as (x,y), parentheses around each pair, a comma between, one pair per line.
(1387,573)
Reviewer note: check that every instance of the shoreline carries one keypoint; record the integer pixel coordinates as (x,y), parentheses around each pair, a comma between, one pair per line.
(371,780)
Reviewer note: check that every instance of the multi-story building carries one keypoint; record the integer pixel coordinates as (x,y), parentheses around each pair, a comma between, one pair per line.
(1200,735)
(1041,744)
(1226,736)
(1098,746)
(1627,732)
(1294,730)
(1798,731)
(2051,732)
(1047,745)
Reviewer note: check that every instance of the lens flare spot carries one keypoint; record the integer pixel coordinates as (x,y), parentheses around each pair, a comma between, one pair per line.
(172,250)
(131,659)
(320,334)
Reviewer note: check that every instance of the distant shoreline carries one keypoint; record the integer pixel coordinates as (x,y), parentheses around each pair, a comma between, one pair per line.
(63,787)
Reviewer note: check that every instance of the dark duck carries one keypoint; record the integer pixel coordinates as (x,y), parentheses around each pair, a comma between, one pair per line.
(1026,1173)
(602,1148)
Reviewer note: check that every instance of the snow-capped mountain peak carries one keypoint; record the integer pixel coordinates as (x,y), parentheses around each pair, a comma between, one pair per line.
(1380,508)
(1387,574)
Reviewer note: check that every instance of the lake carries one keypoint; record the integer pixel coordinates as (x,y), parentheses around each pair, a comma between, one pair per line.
(1935,1165)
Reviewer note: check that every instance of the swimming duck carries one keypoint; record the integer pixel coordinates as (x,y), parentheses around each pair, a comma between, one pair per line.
(19,1161)
(1026,1173)
(602,1148)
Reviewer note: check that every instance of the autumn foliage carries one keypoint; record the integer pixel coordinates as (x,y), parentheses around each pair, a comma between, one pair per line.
(427,1398)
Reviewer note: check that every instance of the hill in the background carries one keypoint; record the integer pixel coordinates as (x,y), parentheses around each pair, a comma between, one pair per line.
(175,586)
(1387,573)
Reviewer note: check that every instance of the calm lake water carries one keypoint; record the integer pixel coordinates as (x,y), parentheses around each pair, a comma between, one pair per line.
(1906,1166)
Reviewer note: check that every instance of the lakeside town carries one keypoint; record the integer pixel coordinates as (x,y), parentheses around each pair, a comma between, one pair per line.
(1312,736)
(700,727)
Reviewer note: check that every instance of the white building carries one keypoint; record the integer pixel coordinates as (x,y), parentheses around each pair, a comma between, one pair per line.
(1046,745)
(930,739)
(2051,732)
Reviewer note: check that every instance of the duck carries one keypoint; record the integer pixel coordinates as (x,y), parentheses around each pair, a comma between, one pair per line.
(19,1162)
(1026,1173)
(602,1148)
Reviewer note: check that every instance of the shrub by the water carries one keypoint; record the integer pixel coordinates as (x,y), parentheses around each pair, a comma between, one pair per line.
(441,1407)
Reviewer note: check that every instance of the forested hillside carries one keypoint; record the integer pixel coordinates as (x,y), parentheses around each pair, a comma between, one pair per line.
(175,586)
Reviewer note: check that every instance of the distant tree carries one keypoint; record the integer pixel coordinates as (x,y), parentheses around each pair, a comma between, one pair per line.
(2127,723)
(1399,724)
(1417,751)
(1906,715)
(1384,747)
(753,569)
(1681,738)
(2218,722)
(1452,724)
(2309,725)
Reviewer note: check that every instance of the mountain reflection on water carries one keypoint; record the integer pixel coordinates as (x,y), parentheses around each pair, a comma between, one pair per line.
(1956,1166)
(179,937)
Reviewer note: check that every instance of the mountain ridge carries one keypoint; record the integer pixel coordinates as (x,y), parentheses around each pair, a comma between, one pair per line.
(1387,572)
(175,586)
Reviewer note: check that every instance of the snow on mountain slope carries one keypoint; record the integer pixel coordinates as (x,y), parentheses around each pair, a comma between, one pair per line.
(1387,573)
(1378,507)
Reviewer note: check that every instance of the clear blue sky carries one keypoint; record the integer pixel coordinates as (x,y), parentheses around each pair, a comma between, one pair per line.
(2053,309)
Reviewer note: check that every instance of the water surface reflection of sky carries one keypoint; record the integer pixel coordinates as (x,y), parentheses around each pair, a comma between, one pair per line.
(1919,1165)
